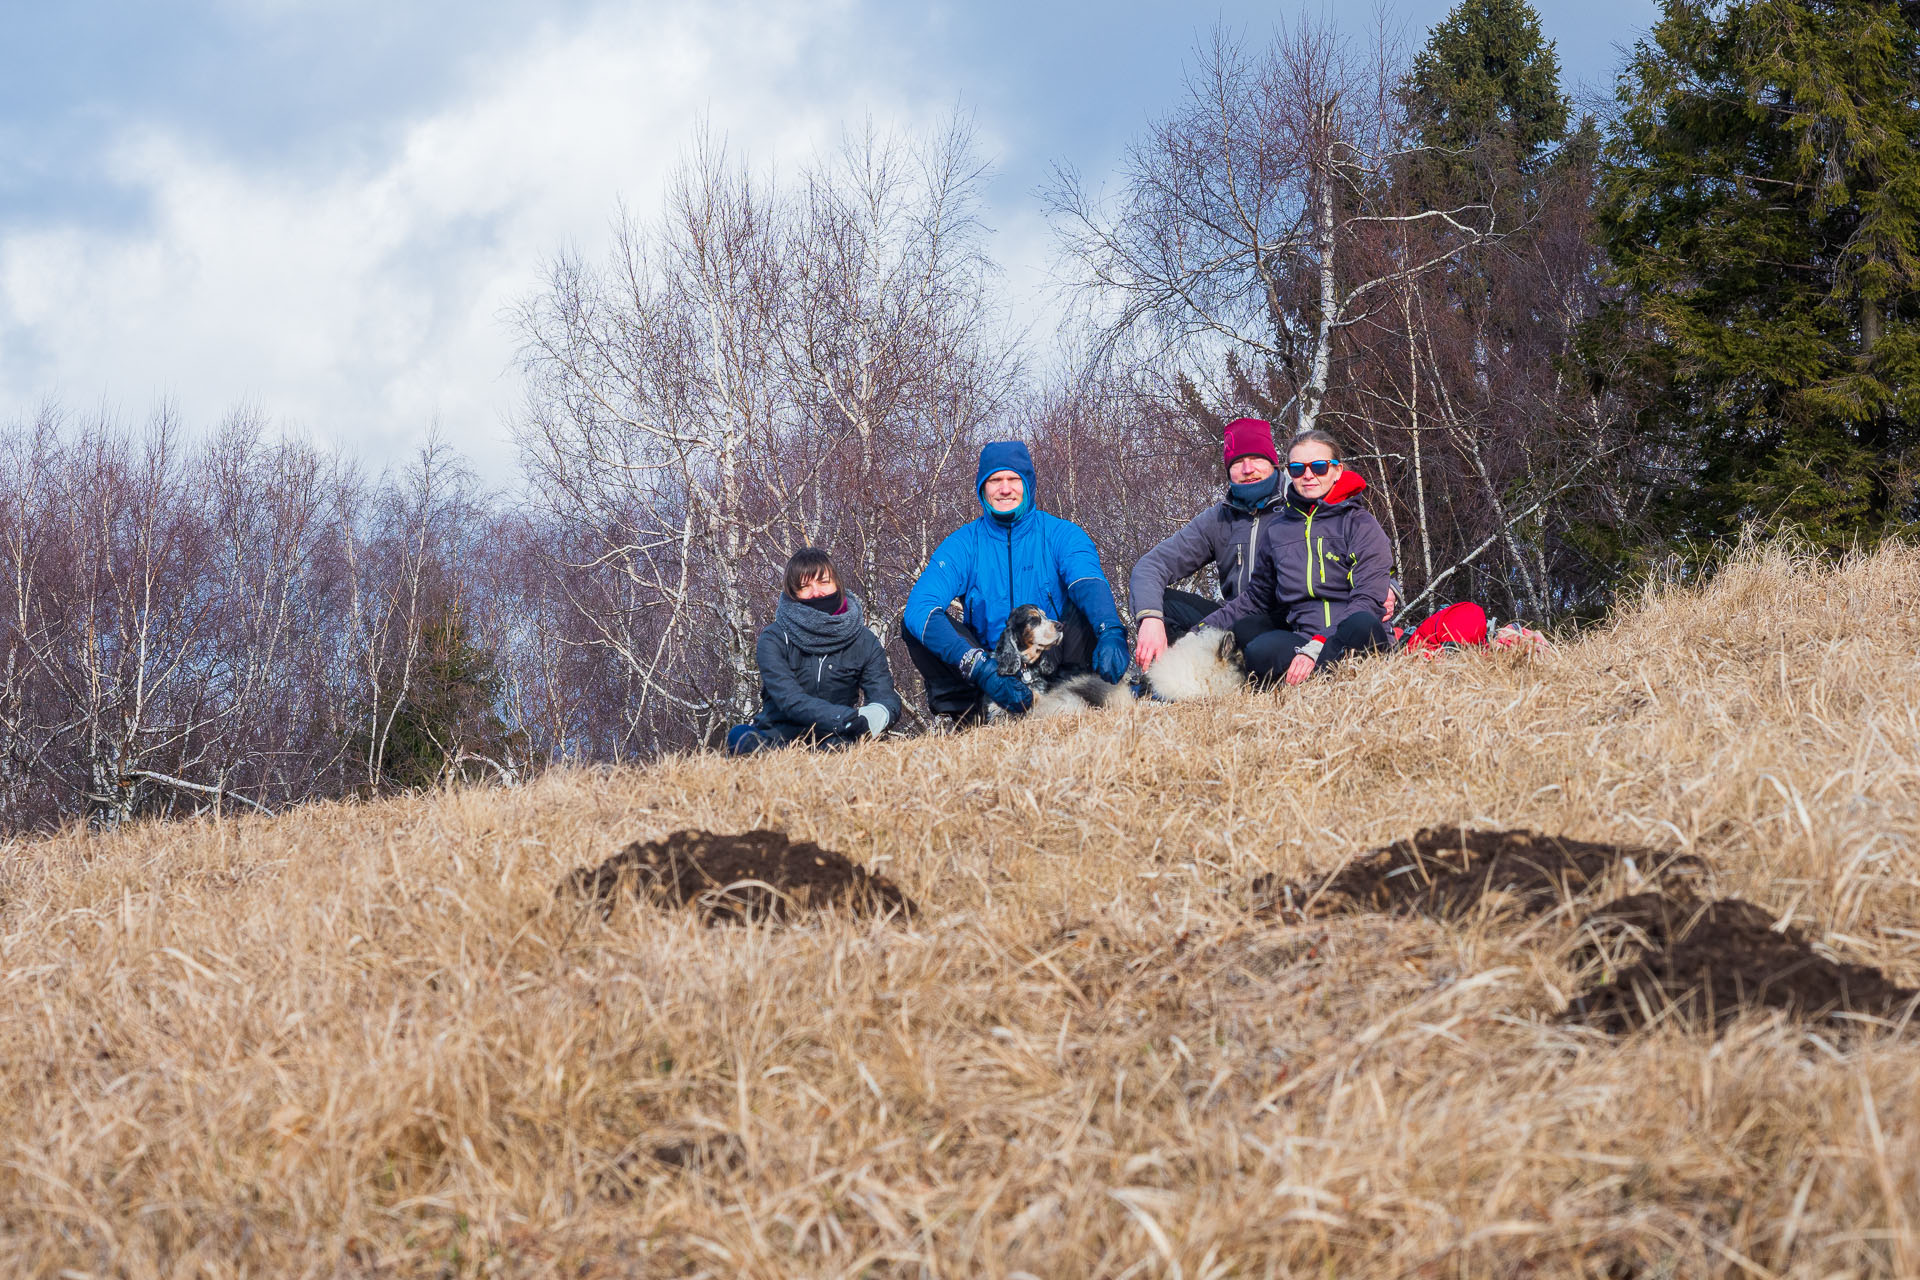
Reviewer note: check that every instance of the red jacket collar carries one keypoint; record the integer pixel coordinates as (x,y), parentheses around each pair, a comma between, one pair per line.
(1346,486)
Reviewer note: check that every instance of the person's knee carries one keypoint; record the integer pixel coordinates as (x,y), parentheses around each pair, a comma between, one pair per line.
(1076,640)
(924,660)
(745,739)
(1270,653)
(1251,628)
(1360,632)
(1182,611)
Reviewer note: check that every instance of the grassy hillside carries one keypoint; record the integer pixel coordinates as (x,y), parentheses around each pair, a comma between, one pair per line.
(364,1041)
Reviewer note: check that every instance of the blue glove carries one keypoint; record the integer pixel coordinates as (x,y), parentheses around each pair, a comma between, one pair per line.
(1009,691)
(1110,655)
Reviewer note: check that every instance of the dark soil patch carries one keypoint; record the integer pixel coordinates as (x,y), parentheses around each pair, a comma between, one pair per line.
(1702,964)
(756,875)
(1451,872)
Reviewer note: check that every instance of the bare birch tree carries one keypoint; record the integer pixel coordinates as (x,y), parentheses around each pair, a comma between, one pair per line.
(887,336)
(1250,220)
(655,411)
(756,370)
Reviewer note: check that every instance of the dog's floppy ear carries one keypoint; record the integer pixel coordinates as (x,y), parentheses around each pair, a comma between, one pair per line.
(1006,655)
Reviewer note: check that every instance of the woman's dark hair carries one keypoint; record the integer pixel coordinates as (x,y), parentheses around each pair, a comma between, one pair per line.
(1314,436)
(805,565)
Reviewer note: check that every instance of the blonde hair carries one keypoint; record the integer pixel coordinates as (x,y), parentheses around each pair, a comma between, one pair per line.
(1314,436)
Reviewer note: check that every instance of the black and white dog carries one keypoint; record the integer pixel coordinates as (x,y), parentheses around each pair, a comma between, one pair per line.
(1202,664)
(1030,649)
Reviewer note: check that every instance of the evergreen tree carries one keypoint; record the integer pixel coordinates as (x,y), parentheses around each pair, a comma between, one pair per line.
(1487,81)
(1760,203)
(448,716)
(1489,340)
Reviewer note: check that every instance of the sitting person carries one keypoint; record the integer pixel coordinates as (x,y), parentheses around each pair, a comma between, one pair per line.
(1320,578)
(1014,554)
(1224,535)
(823,676)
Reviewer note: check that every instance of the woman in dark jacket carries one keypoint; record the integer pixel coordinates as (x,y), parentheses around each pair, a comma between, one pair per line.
(823,675)
(1320,576)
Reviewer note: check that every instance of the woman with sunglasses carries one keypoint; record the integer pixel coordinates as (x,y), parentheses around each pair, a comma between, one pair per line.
(1320,574)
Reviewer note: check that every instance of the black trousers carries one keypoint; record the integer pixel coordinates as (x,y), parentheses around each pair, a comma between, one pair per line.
(951,694)
(745,739)
(1270,647)
(1182,611)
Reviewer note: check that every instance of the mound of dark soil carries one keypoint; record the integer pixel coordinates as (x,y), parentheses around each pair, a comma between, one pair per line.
(756,875)
(1450,872)
(1703,964)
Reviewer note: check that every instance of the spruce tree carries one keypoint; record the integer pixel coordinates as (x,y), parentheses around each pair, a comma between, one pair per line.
(1488,81)
(449,710)
(1760,203)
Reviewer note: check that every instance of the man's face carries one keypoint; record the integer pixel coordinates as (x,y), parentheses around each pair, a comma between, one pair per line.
(1003,491)
(1251,469)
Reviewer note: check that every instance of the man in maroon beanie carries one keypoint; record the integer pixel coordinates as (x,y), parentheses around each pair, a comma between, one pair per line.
(1224,535)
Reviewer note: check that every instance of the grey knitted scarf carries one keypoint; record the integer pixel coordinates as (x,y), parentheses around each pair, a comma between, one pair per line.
(815,632)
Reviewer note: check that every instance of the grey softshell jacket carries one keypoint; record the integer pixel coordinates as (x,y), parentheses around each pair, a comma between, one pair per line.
(1318,563)
(1223,535)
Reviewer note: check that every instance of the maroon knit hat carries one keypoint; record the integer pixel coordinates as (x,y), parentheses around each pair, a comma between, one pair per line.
(1250,436)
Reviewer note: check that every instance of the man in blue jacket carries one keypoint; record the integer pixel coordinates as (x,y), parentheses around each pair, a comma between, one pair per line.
(1014,554)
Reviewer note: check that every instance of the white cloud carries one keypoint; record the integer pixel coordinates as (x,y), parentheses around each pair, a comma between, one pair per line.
(361,305)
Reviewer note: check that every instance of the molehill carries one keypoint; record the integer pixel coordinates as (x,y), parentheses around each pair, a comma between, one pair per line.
(731,879)
(1704,963)
(1663,955)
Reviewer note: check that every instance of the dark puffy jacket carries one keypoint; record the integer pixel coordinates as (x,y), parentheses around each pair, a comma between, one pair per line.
(810,689)
(1225,536)
(992,566)
(1318,563)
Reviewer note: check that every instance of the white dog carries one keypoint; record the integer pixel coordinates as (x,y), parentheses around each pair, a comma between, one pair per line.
(1201,664)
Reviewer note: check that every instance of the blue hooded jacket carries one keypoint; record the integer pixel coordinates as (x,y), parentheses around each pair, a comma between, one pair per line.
(994,564)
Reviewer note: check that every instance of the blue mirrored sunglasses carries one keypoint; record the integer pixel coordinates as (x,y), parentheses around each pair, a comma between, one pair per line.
(1319,467)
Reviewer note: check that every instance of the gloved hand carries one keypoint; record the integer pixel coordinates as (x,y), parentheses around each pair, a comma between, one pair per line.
(877,718)
(1008,691)
(1110,655)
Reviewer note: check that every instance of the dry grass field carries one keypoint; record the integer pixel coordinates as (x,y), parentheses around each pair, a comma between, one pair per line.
(368,1041)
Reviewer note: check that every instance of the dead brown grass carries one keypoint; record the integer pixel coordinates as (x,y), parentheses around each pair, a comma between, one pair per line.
(367,1041)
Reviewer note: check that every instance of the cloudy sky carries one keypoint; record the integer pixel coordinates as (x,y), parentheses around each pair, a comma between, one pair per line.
(321,208)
